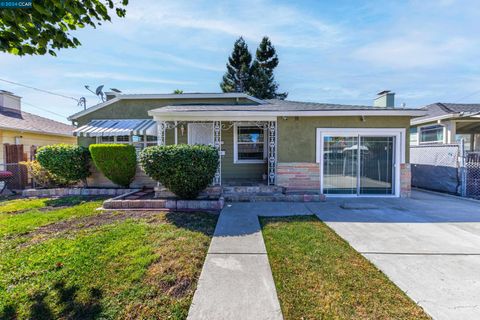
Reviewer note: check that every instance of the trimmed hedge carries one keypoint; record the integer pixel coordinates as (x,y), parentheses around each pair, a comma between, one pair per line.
(117,162)
(183,169)
(69,162)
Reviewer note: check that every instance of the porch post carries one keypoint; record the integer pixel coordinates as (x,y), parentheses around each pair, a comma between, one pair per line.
(272,152)
(162,126)
(217,143)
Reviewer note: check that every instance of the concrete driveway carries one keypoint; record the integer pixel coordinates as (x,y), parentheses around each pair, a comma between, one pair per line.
(428,245)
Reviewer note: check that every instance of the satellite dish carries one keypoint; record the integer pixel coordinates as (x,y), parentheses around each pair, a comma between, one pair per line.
(99,92)
(115,90)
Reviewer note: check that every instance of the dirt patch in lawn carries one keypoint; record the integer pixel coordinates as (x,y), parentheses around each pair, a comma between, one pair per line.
(73,225)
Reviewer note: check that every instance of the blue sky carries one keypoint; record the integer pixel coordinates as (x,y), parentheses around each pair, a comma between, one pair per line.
(330,51)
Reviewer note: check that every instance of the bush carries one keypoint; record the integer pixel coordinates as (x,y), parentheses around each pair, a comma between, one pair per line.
(118,162)
(69,162)
(42,176)
(183,169)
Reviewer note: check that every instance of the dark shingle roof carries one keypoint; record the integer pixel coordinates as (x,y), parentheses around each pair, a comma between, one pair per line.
(441,108)
(24,121)
(273,105)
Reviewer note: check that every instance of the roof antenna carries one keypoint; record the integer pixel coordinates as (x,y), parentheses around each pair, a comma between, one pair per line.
(82,102)
(98,92)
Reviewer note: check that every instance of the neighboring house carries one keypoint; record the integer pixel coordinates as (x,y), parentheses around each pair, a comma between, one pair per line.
(334,149)
(447,123)
(21,133)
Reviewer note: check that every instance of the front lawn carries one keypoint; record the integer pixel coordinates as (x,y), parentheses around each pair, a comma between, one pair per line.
(63,259)
(319,276)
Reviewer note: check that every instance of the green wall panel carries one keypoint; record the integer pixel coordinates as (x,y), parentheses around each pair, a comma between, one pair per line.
(297,135)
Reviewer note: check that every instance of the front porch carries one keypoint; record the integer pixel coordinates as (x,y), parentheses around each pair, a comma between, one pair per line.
(247,148)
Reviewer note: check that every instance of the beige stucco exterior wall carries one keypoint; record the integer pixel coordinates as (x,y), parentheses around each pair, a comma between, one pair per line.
(29,139)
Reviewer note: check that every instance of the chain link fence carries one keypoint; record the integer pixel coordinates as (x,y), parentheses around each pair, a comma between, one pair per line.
(472,174)
(436,167)
(446,168)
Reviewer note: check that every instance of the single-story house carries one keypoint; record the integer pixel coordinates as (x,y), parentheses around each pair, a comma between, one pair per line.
(447,123)
(333,149)
(21,133)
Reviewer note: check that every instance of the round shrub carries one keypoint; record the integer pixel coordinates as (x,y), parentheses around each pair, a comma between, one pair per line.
(66,161)
(117,162)
(183,169)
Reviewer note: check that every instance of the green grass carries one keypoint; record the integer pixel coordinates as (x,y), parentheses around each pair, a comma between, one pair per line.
(20,216)
(319,276)
(137,268)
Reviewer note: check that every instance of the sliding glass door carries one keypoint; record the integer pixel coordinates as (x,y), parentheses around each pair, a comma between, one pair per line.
(358,164)
(340,164)
(376,165)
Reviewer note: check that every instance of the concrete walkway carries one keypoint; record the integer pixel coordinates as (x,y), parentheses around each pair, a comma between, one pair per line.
(428,245)
(236,280)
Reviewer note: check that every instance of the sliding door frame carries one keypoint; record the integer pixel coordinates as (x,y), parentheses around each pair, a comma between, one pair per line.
(399,151)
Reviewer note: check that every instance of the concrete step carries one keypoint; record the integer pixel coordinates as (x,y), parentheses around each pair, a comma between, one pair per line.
(252,189)
(274,198)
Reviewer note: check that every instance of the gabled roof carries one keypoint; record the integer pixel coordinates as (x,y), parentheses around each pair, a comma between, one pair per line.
(232,95)
(442,110)
(27,122)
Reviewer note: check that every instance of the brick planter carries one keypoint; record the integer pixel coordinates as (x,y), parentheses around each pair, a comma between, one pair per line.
(170,204)
(60,192)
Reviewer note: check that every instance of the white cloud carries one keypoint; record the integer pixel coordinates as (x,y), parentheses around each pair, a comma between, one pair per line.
(413,51)
(286,25)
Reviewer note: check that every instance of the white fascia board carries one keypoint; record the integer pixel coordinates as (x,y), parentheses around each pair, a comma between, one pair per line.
(434,119)
(255,114)
(165,96)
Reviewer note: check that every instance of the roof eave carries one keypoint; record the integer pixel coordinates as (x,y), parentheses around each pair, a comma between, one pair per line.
(165,96)
(158,113)
(433,119)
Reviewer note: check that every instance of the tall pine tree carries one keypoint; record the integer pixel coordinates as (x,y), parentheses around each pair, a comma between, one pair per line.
(263,84)
(237,77)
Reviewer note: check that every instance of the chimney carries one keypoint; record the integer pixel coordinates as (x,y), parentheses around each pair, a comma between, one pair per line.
(385,99)
(10,102)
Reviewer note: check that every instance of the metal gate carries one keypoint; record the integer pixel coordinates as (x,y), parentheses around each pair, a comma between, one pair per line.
(472,174)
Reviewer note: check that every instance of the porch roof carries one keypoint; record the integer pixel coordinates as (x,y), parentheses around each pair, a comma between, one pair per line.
(105,128)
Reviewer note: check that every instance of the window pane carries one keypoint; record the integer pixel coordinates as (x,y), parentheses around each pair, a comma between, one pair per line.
(151,138)
(123,138)
(250,134)
(107,139)
(340,165)
(250,151)
(137,138)
(431,134)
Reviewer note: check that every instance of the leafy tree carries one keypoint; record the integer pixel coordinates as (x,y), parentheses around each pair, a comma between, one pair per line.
(237,77)
(45,27)
(263,84)
(177,91)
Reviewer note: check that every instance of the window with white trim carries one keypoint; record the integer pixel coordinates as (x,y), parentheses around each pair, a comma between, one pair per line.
(249,144)
(431,134)
(138,141)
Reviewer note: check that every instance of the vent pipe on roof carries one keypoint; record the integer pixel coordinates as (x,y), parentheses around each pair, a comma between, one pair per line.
(10,102)
(385,99)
